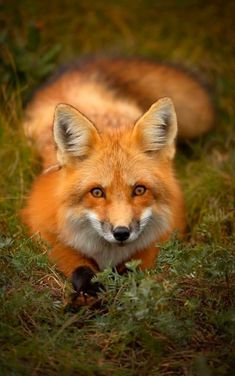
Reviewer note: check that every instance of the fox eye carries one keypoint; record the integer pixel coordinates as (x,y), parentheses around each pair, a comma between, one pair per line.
(97,192)
(139,190)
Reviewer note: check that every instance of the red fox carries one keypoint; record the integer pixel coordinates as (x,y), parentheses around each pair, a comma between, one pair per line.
(105,130)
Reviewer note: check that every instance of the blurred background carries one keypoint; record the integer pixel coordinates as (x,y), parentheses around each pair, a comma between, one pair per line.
(36,35)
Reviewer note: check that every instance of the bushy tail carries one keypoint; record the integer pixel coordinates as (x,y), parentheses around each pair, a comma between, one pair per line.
(140,80)
(146,81)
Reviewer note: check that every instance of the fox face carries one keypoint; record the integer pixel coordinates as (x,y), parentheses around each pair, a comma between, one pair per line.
(115,188)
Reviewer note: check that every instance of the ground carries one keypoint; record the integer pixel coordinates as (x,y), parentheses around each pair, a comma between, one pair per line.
(177,319)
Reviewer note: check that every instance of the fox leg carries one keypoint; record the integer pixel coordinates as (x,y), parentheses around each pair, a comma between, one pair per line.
(147,257)
(79,268)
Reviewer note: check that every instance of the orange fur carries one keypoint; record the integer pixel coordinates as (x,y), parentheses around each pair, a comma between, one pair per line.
(108,145)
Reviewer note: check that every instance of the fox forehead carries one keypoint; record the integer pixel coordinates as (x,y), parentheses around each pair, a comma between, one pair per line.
(114,169)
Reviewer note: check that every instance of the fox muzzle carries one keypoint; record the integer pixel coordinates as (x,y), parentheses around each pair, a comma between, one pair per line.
(121,233)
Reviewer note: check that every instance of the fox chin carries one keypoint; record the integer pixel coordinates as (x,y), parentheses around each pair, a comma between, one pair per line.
(106,131)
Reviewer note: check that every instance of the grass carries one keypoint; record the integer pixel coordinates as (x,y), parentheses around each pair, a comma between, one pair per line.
(177,319)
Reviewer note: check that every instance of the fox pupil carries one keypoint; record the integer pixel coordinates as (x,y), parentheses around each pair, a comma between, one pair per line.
(139,190)
(97,192)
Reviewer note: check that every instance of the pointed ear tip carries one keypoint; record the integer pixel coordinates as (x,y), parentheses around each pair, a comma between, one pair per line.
(59,108)
(166,101)
(163,102)
(62,107)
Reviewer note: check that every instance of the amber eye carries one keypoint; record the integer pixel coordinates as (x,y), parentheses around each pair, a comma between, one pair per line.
(97,192)
(139,190)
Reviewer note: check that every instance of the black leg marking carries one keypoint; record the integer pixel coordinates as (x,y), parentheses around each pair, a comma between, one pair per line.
(81,281)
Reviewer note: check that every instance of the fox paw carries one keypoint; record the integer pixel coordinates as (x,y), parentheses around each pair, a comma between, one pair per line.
(81,281)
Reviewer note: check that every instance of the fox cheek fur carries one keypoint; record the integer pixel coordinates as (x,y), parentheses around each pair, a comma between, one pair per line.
(96,239)
(88,232)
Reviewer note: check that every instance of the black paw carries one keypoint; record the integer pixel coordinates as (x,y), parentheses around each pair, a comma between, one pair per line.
(81,281)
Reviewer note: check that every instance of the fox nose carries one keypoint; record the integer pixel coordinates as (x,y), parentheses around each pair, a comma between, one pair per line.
(121,233)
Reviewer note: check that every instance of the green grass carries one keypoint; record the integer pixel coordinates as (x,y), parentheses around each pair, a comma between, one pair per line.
(177,319)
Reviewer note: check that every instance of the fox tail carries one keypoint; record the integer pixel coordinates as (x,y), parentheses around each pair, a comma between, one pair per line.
(146,81)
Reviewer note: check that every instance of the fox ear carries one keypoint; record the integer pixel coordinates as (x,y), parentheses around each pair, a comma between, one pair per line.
(156,130)
(74,134)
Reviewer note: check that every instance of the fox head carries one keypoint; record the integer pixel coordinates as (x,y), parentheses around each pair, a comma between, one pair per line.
(116,186)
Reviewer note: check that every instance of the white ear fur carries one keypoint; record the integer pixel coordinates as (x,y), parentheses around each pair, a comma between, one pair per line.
(157,128)
(74,134)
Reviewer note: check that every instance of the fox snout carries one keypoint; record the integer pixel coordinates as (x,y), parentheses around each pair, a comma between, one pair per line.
(121,233)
